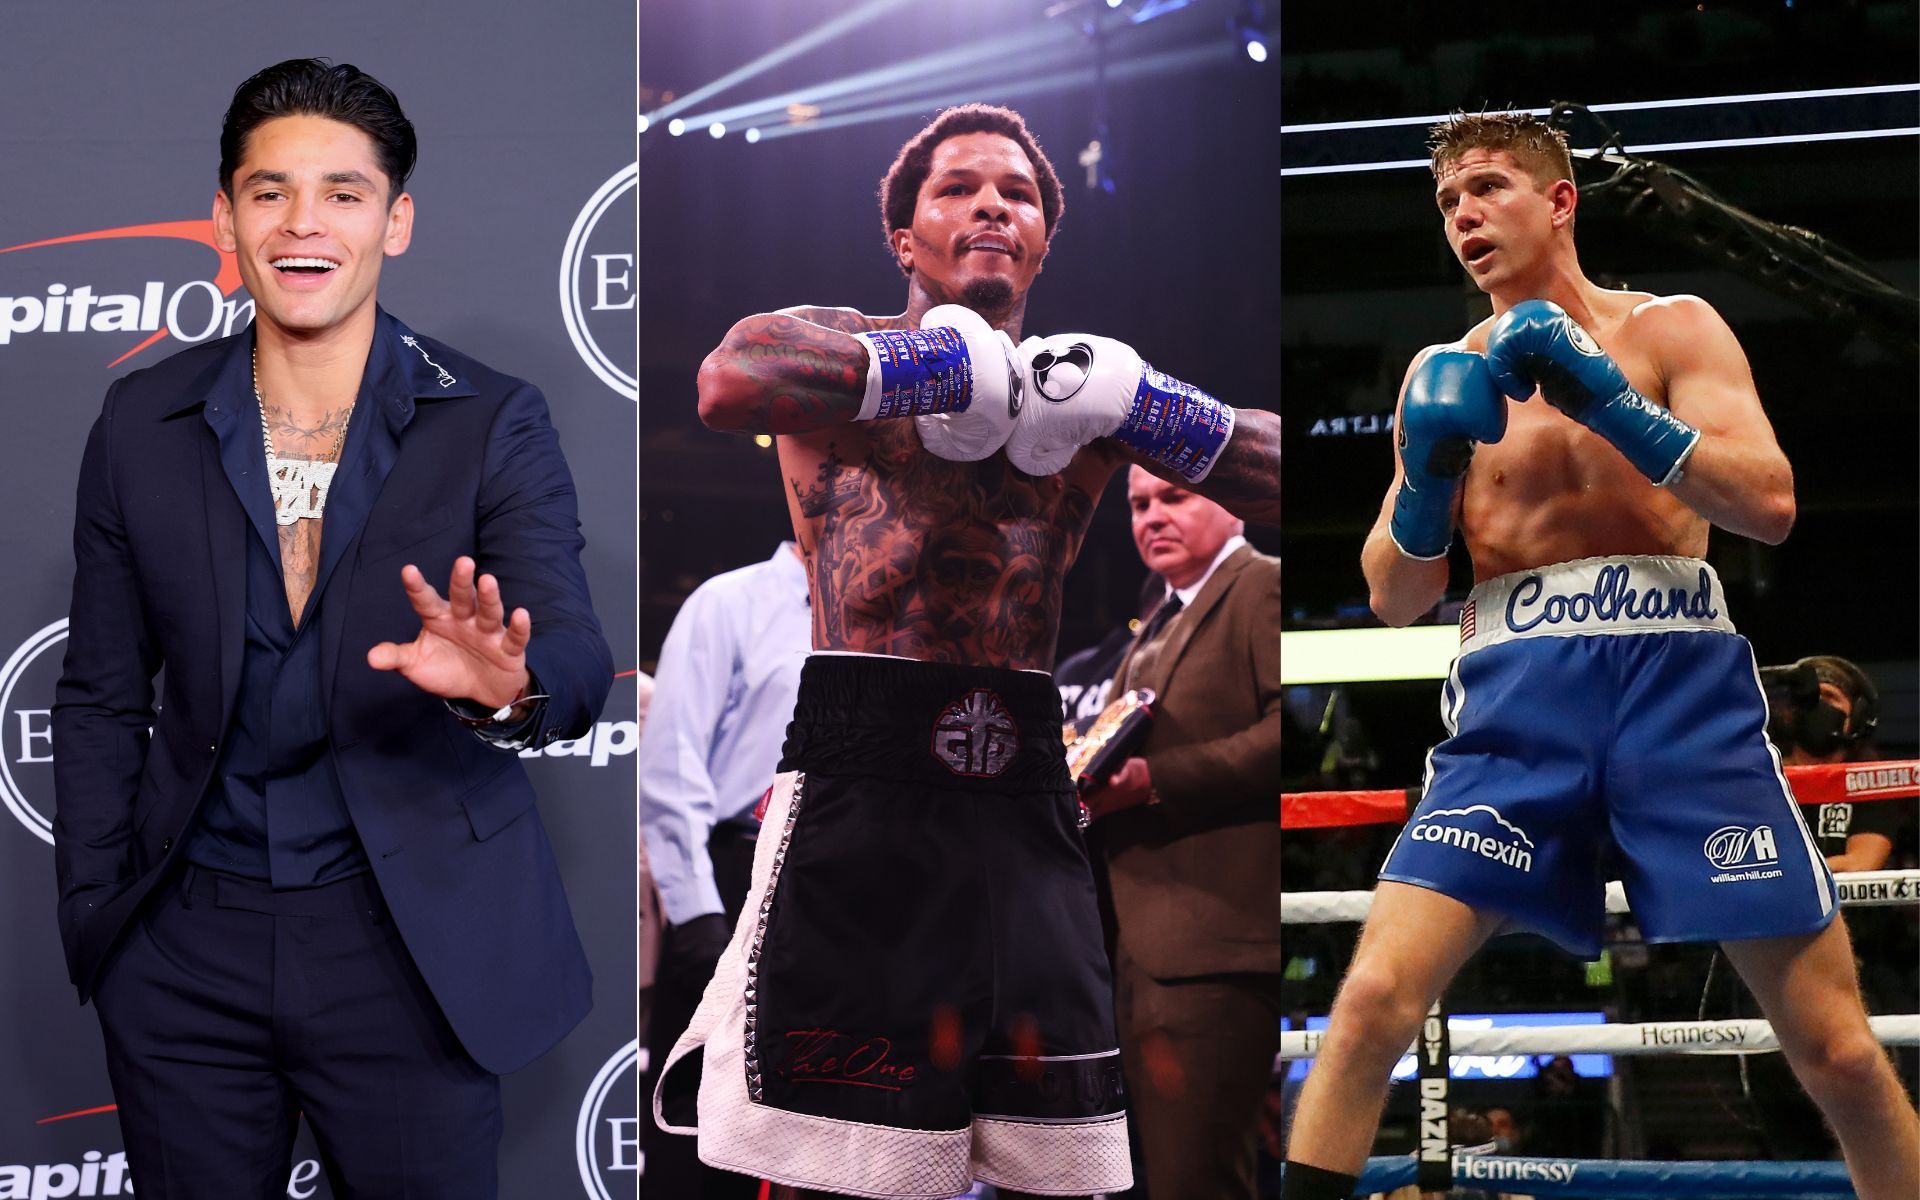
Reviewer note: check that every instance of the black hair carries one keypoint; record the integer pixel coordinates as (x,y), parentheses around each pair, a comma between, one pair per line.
(315,87)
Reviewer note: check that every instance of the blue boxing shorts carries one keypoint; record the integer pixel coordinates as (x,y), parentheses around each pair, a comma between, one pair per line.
(1607,722)
(917,994)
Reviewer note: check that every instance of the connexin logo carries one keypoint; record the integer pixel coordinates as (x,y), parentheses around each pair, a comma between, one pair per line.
(1497,838)
(60,303)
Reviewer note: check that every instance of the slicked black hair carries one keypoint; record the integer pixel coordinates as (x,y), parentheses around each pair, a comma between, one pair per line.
(900,188)
(315,87)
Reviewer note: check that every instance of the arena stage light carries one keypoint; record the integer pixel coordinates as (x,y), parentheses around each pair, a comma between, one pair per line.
(1785,139)
(676,127)
(1879,89)
(753,135)
(867,13)
(1139,68)
(716,130)
(950,67)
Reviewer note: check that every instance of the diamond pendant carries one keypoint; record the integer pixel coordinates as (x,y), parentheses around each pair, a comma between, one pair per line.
(299,488)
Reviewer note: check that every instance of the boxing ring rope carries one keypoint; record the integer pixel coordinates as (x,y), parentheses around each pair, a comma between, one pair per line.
(1649,1037)
(1624,1180)
(1858,889)
(1823,783)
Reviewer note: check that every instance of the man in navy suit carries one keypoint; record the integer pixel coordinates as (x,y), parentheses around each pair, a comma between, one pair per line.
(311,878)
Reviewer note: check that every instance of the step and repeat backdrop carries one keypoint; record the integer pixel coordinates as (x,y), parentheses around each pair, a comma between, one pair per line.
(523,256)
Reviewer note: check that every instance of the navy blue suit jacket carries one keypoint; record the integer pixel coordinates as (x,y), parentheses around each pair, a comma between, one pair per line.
(461,460)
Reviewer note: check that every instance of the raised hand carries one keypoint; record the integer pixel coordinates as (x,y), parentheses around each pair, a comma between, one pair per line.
(468,647)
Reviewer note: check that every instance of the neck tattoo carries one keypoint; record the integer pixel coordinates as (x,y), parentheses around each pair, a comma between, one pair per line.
(299,484)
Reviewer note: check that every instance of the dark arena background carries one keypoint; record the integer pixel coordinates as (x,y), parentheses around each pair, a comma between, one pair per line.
(1815,131)
(522,256)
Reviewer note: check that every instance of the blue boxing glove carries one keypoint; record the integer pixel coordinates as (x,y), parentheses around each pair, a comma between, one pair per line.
(1450,404)
(1536,344)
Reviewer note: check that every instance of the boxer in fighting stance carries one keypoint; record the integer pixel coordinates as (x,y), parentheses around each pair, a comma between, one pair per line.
(1583,441)
(917,995)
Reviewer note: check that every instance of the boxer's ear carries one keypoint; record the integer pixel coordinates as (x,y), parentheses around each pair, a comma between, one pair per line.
(1565,195)
(903,248)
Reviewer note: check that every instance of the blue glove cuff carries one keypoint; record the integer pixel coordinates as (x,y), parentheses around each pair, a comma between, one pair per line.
(1176,424)
(922,371)
(1422,524)
(1655,441)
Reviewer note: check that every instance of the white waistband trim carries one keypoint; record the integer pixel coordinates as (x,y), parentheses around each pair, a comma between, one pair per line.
(1638,594)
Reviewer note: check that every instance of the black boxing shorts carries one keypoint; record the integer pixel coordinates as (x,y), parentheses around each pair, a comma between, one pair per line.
(916,995)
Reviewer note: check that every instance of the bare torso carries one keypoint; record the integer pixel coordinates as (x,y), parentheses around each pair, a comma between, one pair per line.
(1551,490)
(913,555)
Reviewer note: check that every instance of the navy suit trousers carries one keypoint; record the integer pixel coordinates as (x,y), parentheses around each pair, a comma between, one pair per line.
(230,1010)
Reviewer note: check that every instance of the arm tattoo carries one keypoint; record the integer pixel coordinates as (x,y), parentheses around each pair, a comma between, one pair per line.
(1246,479)
(810,375)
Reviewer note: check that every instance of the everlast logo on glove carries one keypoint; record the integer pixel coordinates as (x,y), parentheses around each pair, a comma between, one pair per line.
(976,735)
(1060,376)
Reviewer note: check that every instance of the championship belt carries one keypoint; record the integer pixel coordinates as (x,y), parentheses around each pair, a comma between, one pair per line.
(1106,743)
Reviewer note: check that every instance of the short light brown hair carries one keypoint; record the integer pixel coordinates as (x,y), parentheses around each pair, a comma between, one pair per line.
(1537,147)
(900,188)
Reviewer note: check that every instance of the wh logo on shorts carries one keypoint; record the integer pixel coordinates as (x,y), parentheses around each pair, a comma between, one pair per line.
(1497,838)
(1732,845)
(1752,850)
(975,735)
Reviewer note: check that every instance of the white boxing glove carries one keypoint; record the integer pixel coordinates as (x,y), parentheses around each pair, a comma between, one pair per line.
(974,432)
(1081,388)
(955,363)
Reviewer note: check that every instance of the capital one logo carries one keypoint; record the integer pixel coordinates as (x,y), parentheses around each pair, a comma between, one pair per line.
(1731,845)
(26,728)
(607,1135)
(597,283)
(61,286)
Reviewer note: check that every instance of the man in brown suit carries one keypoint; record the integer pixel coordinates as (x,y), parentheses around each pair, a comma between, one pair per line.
(1193,849)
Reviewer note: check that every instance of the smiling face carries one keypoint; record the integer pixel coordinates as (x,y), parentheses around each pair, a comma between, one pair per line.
(1177,532)
(1501,224)
(979,234)
(310,220)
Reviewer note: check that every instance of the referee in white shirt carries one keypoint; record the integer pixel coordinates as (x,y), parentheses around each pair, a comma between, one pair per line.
(723,694)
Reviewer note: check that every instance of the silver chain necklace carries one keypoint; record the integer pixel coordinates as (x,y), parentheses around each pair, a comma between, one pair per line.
(299,484)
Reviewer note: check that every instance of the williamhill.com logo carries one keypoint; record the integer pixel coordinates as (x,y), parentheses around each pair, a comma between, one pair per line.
(56,292)
(1734,846)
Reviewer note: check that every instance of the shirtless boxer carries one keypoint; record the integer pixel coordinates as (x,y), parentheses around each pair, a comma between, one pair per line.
(1629,425)
(917,994)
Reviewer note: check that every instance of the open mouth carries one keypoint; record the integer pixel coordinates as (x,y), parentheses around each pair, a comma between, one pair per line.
(988,243)
(304,266)
(1475,250)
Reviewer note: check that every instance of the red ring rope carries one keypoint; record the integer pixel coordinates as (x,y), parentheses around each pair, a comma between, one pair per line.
(1824,783)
